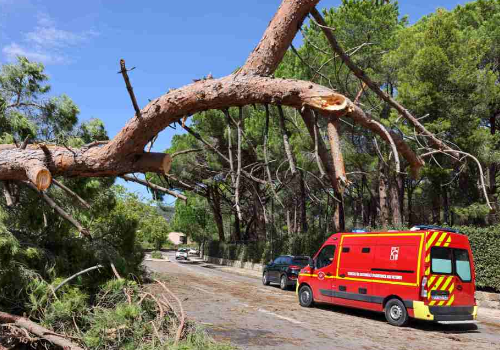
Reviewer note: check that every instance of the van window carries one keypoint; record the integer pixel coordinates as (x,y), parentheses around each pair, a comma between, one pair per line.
(325,256)
(441,260)
(462,264)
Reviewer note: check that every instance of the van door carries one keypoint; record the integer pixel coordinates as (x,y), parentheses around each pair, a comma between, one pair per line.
(322,280)
(464,293)
(451,280)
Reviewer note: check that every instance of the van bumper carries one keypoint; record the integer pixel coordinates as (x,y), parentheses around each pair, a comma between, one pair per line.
(444,313)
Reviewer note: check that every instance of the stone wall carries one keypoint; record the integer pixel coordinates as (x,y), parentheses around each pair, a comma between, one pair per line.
(234,263)
(490,300)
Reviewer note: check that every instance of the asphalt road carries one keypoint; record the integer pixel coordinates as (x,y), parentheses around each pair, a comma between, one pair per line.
(240,310)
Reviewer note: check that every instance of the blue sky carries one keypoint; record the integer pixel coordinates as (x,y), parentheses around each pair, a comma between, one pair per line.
(170,43)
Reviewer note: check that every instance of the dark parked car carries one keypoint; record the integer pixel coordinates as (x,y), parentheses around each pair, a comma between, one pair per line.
(284,270)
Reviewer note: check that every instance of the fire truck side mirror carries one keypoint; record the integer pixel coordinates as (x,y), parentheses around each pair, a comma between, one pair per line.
(311,263)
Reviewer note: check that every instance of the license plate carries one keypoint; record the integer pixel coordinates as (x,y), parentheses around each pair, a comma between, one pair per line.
(440,297)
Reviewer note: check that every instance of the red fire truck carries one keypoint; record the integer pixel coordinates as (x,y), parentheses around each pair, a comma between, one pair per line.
(425,273)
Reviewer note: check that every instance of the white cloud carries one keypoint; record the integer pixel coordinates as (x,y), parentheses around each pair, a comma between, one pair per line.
(13,50)
(46,35)
(46,42)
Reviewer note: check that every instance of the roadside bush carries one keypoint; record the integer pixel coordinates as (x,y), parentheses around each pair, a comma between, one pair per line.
(485,244)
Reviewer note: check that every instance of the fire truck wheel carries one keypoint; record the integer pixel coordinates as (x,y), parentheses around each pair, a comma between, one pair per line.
(283,282)
(395,313)
(306,296)
(265,279)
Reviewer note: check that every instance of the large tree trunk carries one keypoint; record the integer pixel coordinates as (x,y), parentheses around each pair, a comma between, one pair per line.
(303,206)
(410,206)
(446,206)
(436,204)
(395,200)
(237,228)
(382,192)
(214,202)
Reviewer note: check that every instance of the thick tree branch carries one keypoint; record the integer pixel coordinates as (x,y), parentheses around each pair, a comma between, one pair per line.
(199,138)
(436,143)
(60,211)
(266,160)
(481,173)
(82,201)
(130,90)
(76,275)
(286,143)
(38,330)
(365,120)
(238,169)
(154,187)
(340,179)
(277,38)
(186,151)
(125,152)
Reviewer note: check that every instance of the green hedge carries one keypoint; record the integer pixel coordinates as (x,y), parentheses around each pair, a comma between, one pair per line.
(485,243)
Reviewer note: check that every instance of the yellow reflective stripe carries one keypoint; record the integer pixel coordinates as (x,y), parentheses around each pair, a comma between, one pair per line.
(448,241)
(432,302)
(419,257)
(441,303)
(430,241)
(441,239)
(428,258)
(451,288)
(446,283)
(377,281)
(428,271)
(439,281)
(308,275)
(450,301)
(429,283)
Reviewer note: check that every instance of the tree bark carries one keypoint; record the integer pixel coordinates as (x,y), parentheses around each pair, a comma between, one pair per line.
(395,200)
(382,192)
(38,330)
(60,211)
(154,187)
(446,205)
(277,38)
(340,179)
(214,202)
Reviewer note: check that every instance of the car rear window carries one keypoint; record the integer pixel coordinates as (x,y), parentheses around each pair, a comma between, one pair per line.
(462,264)
(441,260)
(451,261)
(300,261)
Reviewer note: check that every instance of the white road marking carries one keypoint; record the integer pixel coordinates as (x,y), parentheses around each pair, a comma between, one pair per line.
(279,316)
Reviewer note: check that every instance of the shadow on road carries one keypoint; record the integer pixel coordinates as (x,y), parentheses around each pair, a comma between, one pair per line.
(413,324)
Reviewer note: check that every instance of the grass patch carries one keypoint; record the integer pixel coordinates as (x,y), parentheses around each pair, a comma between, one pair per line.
(156,255)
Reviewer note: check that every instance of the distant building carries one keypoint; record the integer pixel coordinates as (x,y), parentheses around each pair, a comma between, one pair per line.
(178,238)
